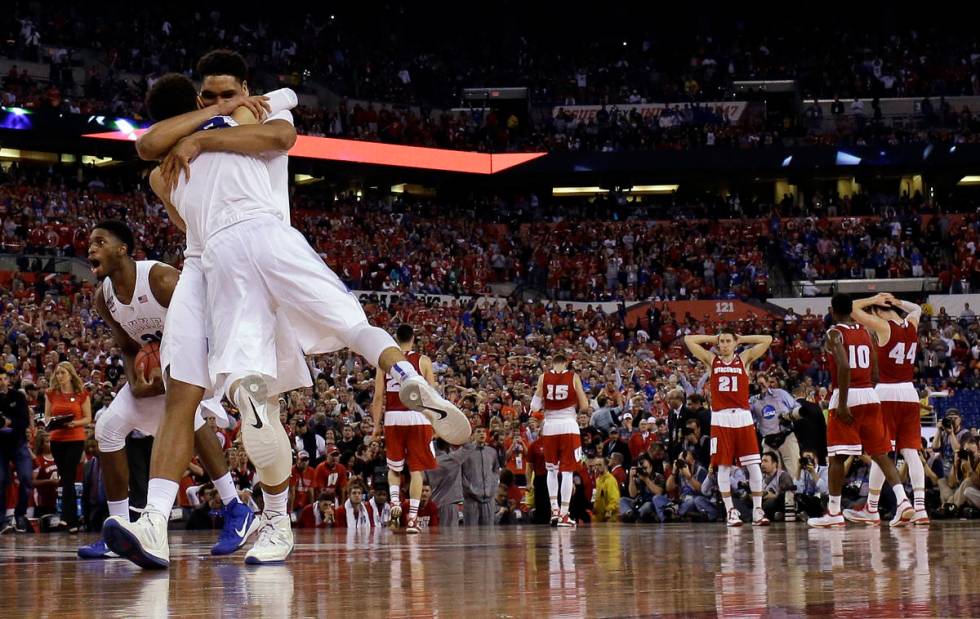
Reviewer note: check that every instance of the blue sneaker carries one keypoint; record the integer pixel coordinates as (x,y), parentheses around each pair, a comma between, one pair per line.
(240,523)
(97,550)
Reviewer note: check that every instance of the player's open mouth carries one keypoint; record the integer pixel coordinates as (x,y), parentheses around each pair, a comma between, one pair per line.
(94,263)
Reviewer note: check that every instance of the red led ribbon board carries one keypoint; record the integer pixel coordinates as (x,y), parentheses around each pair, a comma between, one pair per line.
(375,153)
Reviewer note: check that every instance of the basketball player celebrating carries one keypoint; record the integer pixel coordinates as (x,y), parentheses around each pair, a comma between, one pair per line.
(732,428)
(408,434)
(133,301)
(897,339)
(855,412)
(226,200)
(184,349)
(561,395)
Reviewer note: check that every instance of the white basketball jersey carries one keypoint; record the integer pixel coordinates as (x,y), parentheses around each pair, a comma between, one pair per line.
(142,319)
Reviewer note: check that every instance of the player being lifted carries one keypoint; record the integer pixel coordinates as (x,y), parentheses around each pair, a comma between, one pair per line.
(133,299)
(855,412)
(733,436)
(561,395)
(897,339)
(408,433)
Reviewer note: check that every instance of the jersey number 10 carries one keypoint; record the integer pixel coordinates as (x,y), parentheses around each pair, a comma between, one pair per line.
(557,392)
(859,357)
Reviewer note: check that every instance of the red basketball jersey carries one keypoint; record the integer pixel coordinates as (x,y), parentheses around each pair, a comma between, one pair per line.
(559,390)
(392,387)
(857,350)
(729,384)
(896,359)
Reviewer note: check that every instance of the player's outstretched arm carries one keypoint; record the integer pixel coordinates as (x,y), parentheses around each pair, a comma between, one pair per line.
(760,344)
(869,321)
(695,344)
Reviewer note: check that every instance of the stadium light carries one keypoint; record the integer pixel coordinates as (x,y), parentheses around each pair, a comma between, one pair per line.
(653,189)
(577,191)
(969,180)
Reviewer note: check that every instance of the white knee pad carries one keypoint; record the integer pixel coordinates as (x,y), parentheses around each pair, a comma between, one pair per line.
(369,341)
(755,477)
(263,436)
(111,431)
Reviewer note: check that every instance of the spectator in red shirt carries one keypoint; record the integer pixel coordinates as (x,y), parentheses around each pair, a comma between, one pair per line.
(355,513)
(331,474)
(317,515)
(537,471)
(428,515)
(616,468)
(301,483)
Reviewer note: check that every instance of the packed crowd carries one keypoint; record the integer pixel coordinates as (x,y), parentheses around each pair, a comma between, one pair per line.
(646,439)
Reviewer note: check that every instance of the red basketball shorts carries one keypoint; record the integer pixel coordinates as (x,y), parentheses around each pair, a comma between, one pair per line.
(409,445)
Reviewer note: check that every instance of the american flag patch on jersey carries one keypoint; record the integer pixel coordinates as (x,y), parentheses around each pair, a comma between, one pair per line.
(142,298)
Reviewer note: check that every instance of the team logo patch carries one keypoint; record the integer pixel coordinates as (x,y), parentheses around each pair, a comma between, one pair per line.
(768,412)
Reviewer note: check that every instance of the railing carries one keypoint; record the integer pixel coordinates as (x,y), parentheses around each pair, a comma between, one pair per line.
(826,287)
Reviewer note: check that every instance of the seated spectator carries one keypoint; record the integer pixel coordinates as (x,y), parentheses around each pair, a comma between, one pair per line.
(777,483)
(355,513)
(605,505)
(647,501)
(209,514)
(687,482)
(428,515)
(964,479)
(506,510)
(317,515)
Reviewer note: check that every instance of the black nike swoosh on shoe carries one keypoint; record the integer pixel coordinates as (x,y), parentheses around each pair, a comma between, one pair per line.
(257,426)
(442,414)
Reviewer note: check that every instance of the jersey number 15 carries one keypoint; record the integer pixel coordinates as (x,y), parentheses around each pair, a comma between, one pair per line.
(557,392)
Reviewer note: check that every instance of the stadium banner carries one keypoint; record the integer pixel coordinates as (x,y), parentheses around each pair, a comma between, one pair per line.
(729,110)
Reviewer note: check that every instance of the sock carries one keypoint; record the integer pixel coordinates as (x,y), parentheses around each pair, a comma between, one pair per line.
(833,505)
(413,508)
(402,371)
(396,498)
(226,488)
(872,504)
(160,495)
(276,503)
(119,508)
(900,494)
(729,505)
(553,489)
(566,492)
(917,475)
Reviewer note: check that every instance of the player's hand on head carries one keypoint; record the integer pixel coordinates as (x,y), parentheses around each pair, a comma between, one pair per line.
(257,104)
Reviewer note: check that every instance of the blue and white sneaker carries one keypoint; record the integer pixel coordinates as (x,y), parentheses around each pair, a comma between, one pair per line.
(240,523)
(96,550)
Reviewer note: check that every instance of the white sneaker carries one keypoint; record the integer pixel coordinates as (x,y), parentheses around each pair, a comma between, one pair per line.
(734,518)
(447,421)
(143,542)
(759,518)
(862,516)
(275,541)
(827,521)
(921,518)
(566,522)
(904,514)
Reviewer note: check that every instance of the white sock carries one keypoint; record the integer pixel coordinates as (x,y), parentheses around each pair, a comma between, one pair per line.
(119,508)
(402,371)
(833,506)
(553,489)
(161,494)
(276,503)
(396,498)
(413,508)
(872,504)
(729,505)
(226,488)
(917,475)
(900,494)
(567,483)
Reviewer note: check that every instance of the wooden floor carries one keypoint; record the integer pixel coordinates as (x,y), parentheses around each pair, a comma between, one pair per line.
(599,571)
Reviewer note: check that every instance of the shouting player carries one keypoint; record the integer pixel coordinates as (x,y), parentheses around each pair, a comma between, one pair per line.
(408,433)
(133,301)
(855,412)
(897,339)
(561,395)
(733,436)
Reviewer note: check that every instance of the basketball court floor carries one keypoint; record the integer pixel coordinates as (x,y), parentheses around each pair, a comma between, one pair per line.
(599,571)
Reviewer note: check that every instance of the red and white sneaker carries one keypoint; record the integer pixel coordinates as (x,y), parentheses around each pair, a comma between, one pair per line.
(759,518)
(921,518)
(555,517)
(566,522)
(827,521)
(863,516)
(734,518)
(412,526)
(904,514)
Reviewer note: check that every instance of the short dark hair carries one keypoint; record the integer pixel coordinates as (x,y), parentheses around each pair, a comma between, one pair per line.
(119,230)
(726,331)
(772,456)
(223,62)
(559,357)
(404,334)
(171,95)
(842,304)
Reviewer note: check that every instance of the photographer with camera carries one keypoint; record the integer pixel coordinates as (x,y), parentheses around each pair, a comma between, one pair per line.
(687,479)
(775,410)
(648,498)
(777,484)
(948,438)
(962,485)
(811,486)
